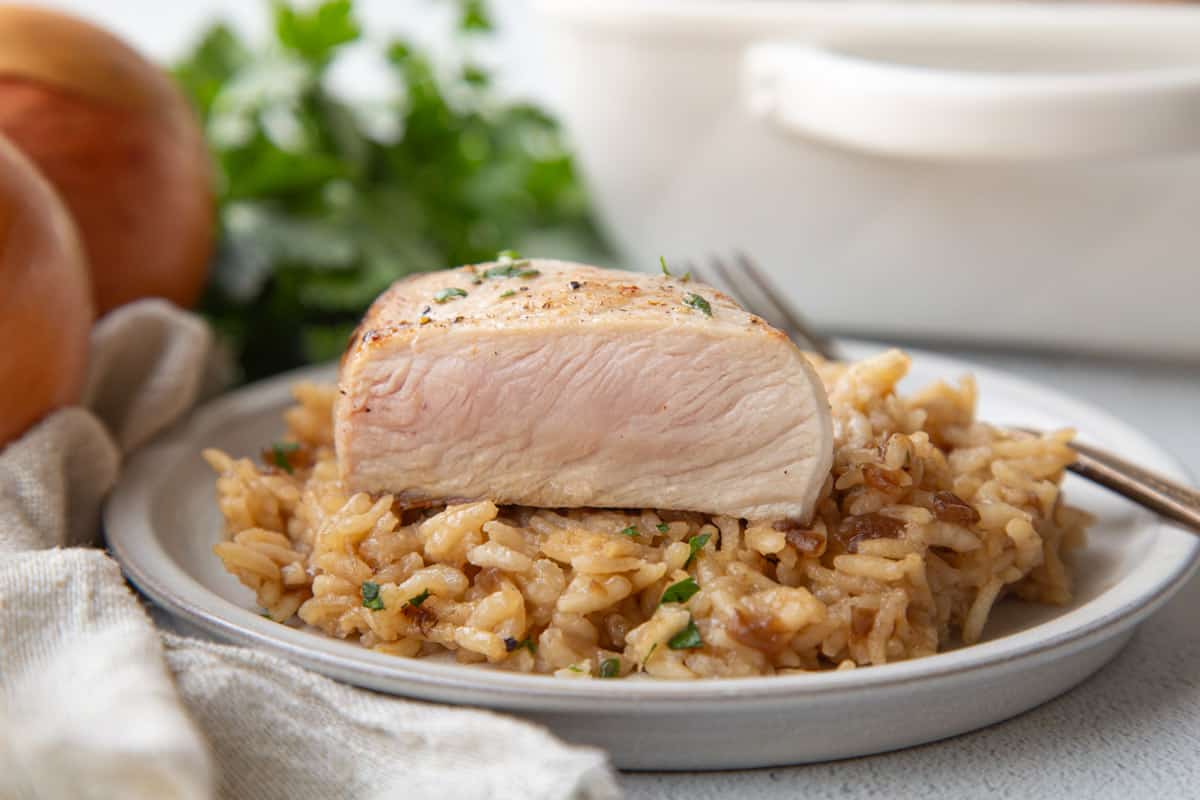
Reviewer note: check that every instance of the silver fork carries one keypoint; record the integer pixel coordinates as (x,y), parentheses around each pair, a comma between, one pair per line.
(750,286)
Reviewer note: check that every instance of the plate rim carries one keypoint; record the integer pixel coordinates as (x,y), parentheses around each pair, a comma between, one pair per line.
(132,540)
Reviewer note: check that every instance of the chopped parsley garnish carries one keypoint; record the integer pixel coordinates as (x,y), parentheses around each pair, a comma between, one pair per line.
(663,527)
(511,644)
(507,255)
(418,599)
(610,668)
(508,293)
(444,295)
(697,302)
(696,544)
(687,276)
(687,639)
(279,455)
(680,592)
(575,668)
(512,269)
(631,531)
(370,596)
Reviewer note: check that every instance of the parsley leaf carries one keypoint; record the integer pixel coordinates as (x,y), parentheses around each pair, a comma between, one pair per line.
(316,34)
(631,531)
(279,455)
(508,293)
(680,592)
(663,527)
(445,295)
(696,544)
(697,302)
(665,269)
(687,639)
(370,596)
(610,668)
(474,16)
(418,599)
(509,269)
(476,76)
(508,255)
(511,644)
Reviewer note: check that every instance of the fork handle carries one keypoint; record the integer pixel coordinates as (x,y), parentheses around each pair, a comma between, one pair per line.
(1170,499)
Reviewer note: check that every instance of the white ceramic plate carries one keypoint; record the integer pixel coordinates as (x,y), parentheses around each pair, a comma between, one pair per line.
(162,522)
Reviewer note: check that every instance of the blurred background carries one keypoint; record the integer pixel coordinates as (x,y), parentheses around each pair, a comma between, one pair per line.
(997,175)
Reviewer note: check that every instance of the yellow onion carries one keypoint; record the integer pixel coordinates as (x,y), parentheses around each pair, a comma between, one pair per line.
(122,147)
(45,299)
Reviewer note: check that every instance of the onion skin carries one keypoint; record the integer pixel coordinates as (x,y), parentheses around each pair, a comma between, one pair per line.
(121,145)
(46,308)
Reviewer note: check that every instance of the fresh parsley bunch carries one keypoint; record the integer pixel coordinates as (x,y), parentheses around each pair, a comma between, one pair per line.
(324,203)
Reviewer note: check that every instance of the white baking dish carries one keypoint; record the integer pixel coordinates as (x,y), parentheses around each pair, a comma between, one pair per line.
(1024,174)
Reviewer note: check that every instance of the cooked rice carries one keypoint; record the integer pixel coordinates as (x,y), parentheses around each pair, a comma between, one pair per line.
(928,519)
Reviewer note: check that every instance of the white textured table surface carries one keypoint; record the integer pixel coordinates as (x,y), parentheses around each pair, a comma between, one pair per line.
(1131,731)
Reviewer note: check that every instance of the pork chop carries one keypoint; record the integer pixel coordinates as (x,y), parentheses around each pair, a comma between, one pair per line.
(547,383)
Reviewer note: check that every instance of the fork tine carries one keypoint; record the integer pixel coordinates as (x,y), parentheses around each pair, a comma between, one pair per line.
(728,283)
(702,275)
(733,282)
(753,291)
(746,292)
(772,296)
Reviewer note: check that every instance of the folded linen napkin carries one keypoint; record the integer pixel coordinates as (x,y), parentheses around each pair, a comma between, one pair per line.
(96,702)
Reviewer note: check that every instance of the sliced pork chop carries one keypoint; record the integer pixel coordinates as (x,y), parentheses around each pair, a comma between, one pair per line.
(546,383)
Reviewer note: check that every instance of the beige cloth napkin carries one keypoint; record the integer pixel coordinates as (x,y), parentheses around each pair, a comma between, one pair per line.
(95,702)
